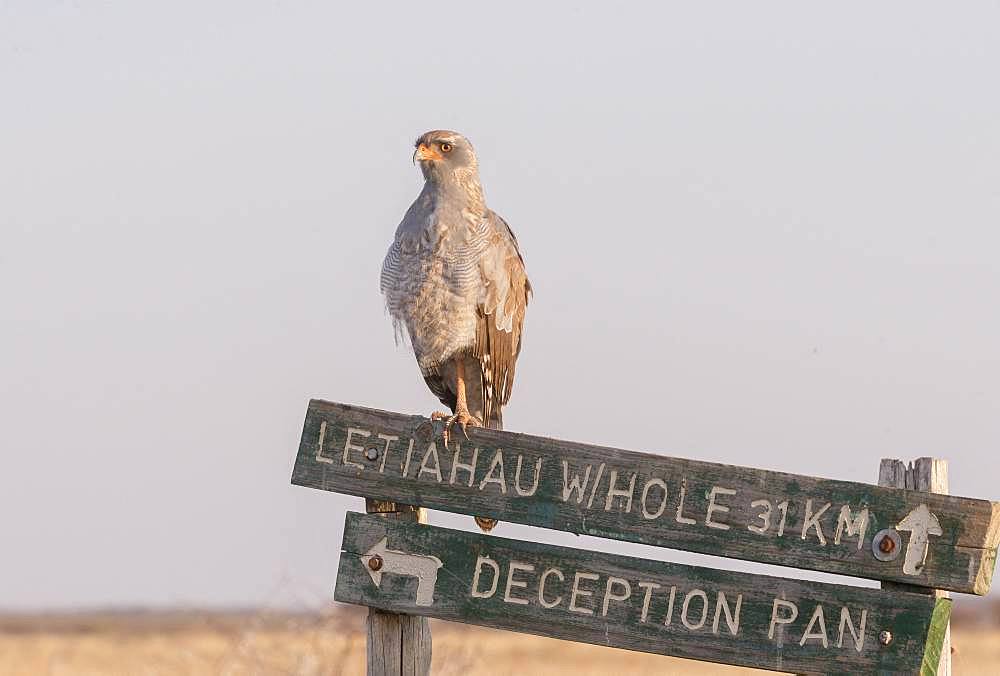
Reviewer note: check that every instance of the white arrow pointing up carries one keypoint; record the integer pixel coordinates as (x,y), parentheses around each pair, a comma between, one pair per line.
(920,522)
(422,567)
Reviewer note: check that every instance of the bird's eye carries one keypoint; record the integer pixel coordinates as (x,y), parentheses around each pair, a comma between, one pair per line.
(446,147)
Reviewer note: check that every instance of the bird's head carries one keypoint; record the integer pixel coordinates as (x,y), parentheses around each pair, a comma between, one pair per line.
(443,154)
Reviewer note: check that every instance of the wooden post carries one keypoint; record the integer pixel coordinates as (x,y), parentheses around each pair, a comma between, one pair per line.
(398,645)
(929,475)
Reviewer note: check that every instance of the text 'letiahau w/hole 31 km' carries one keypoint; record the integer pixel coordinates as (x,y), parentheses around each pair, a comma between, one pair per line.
(935,541)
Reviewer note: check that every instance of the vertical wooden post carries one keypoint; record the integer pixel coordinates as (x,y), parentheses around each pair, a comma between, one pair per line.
(929,475)
(398,645)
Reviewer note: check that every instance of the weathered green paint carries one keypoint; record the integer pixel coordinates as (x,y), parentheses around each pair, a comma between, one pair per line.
(725,510)
(936,637)
(717,616)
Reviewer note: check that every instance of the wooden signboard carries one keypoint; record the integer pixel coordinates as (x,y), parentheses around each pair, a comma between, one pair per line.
(650,606)
(862,530)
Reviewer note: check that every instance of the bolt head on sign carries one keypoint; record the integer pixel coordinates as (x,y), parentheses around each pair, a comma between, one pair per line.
(886,545)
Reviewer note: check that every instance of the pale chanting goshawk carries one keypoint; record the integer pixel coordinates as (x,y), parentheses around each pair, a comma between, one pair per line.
(454,278)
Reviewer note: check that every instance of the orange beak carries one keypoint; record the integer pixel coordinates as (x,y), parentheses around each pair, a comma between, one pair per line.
(425,153)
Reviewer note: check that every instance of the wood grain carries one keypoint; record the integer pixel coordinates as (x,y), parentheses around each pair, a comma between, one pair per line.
(726,510)
(715,615)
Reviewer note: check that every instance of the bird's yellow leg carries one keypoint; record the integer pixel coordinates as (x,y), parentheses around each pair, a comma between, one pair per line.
(461,415)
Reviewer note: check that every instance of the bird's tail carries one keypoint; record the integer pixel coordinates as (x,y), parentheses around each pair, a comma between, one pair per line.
(495,422)
(496,419)
(485,524)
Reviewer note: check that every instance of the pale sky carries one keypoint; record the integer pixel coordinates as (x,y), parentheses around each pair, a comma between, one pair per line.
(759,233)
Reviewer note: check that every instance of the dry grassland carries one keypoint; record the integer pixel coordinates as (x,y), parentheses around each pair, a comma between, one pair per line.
(233,643)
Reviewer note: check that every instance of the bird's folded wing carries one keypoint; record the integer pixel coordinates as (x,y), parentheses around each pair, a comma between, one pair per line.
(505,295)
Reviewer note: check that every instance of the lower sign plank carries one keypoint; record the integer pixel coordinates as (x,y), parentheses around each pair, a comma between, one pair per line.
(650,606)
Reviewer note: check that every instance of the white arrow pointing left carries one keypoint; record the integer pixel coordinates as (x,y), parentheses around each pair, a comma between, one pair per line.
(423,567)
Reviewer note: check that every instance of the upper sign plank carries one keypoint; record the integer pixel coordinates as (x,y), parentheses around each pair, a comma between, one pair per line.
(637,604)
(924,539)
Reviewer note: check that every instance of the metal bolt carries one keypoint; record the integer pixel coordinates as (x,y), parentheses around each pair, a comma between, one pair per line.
(886,545)
(375,563)
(371,453)
(885,637)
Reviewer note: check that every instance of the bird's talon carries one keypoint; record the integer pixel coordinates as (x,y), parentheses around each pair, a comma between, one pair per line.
(462,419)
